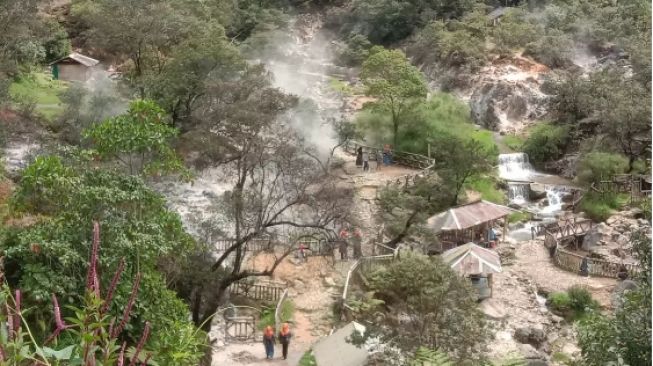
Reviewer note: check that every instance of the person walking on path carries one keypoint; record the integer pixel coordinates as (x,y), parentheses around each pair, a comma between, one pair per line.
(357,238)
(268,342)
(344,236)
(366,161)
(359,156)
(284,338)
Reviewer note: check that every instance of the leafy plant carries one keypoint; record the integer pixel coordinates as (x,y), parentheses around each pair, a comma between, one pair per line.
(546,142)
(430,357)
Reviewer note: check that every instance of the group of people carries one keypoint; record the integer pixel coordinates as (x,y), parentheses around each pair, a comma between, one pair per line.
(346,234)
(269,340)
(363,157)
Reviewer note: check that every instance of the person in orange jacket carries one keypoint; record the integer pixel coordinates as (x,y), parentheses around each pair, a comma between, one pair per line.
(268,342)
(284,338)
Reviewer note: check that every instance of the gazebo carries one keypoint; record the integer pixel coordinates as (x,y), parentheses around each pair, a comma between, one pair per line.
(466,223)
(476,263)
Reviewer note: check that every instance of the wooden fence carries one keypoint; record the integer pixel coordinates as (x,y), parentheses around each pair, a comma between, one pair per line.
(254,245)
(415,161)
(597,267)
(257,291)
(624,183)
(364,264)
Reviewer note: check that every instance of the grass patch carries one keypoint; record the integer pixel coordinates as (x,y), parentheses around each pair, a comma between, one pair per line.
(486,186)
(519,217)
(574,304)
(308,359)
(599,207)
(42,90)
(267,314)
(340,86)
(514,142)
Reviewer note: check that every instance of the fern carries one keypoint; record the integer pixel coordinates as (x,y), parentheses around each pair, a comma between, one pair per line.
(430,357)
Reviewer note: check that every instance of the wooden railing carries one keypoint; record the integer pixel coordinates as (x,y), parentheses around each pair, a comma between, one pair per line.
(623,183)
(363,264)
(257,291)
(277,310)
(596,267)
(415,161)
(559,232)
(254,245)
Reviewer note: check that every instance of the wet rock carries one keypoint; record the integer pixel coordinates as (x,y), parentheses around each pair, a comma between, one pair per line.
(530,335)
(595,236)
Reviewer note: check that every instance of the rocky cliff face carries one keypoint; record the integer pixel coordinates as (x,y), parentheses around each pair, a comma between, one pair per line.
(507,94)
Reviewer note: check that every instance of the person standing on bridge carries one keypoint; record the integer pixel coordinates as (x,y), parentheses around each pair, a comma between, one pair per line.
(268,342)
(284,338)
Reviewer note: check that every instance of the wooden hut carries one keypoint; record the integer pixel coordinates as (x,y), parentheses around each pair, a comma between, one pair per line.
(469,223)
(74,67)
(476,263)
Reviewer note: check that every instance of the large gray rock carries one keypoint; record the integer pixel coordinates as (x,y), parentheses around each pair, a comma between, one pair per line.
(530,335)
(596,236)
(502,105)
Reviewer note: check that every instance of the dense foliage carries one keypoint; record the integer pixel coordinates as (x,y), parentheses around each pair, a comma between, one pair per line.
(625,338)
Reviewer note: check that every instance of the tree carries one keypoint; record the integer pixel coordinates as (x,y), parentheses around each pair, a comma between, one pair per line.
(437,306)
(139,140)
(406,208)
(276,181)
(625,338)
(458,160)
(45,256)
(389,76)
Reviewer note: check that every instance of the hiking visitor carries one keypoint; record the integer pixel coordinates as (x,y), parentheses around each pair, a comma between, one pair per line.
(268,342)
(366,161)
(584,267)
(344,236)
(387,154)
(379,159)
(284,338)
(359,156)
(357,237)
(301,252)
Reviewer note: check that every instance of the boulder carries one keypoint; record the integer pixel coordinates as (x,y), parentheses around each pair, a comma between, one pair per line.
(595,237)
(530,335)
(537,191)
(528,352)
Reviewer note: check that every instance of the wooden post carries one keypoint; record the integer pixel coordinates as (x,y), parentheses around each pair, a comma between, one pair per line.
(505,229)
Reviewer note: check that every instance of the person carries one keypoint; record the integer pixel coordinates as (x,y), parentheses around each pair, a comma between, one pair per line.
(359,156)
(302,252)
(366,161)
(344,236)
(623,273)
(268,342)
(284,338)
(584,267)
(379,159)
(357,237)
(386,154)
(492,237)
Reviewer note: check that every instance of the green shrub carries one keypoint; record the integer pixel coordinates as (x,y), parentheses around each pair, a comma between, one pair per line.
(356,50)
(547,142)
(580,300)
(559,303)
(596,166)
(308,359)
(599,207)
(487,187)
(514,142)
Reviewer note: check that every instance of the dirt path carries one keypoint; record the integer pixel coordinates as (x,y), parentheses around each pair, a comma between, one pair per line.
(533,262)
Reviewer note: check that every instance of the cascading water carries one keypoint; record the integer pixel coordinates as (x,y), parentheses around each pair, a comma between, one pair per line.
(515,167)
(519,193)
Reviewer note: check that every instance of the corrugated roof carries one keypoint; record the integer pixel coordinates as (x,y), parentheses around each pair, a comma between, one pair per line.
(466,216)
(79,58)
(498,12)
(471,259)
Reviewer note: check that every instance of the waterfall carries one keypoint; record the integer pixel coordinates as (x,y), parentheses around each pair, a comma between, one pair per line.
(554,196)
(519,193)
(515,166)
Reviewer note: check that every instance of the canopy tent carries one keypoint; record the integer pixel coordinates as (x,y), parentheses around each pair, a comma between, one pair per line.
(471,259)
(461,224)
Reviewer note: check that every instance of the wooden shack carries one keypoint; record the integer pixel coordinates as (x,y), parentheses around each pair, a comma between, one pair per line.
(468,223)
(475,263)
(74,67)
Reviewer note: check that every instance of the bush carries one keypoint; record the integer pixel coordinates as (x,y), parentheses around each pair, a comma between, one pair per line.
(547,142)
(559,303)
(597,166)
(580,300)
(356,50)
(26,104)
(599,207)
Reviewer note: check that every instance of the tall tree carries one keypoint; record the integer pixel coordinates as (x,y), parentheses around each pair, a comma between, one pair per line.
(389,77)
(276,180)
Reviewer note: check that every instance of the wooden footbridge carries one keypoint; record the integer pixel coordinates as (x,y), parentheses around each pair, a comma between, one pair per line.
(563,233)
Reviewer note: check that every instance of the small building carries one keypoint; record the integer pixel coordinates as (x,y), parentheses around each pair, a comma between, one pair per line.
(469,223)
(476,263)
(335,350)
(74,67)
(495,15)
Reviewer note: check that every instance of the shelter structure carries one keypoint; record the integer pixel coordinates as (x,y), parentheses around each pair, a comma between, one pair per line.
(495,15)
(74,67)
(469,223)
(476,263)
